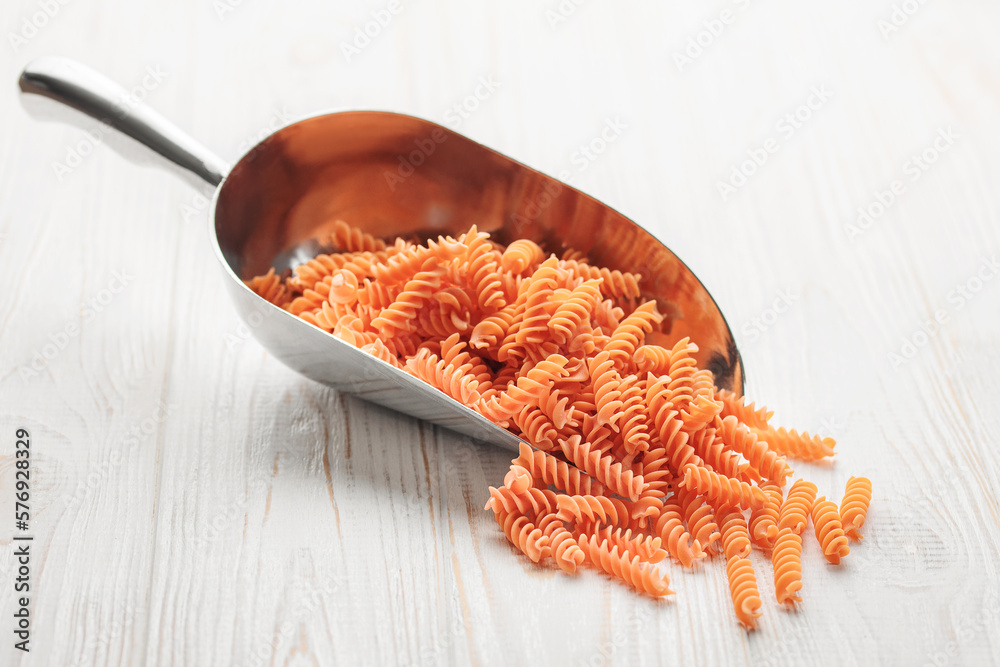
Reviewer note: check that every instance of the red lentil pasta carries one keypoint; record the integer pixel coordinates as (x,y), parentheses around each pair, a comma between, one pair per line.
(636,458)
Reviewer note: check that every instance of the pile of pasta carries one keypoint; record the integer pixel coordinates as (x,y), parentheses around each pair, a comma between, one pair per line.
(635,456)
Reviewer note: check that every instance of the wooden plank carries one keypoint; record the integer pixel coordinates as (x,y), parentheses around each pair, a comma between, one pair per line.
(195,502)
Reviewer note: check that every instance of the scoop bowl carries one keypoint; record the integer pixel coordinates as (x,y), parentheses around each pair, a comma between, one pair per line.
(391,175)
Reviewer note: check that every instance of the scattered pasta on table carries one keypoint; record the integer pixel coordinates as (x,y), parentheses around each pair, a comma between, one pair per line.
(636,456)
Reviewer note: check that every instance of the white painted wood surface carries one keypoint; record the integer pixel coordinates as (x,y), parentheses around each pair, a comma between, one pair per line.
(195,503)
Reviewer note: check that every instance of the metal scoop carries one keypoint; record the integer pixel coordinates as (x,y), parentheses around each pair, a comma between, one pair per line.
(392,175)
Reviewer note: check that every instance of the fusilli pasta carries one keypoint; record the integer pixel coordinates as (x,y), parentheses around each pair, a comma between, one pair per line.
(634,452)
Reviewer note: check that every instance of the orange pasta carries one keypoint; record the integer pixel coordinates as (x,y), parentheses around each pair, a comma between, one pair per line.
(748,414)
(678,541)
(743,588)
(699,517)
(269,287)
(787,561)
(523,534)
(829,530)
(625,566)
(549,470)
(854,506)
(721,489)
(592,509)
(602,468)
(562,545)
(795,510)
(795,445)
(764,522)
(765,462)
(630,453)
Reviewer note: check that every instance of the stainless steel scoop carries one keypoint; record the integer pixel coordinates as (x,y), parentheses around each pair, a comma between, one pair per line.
(390,174)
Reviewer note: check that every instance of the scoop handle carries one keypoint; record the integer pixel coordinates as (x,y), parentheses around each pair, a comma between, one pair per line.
(82,88)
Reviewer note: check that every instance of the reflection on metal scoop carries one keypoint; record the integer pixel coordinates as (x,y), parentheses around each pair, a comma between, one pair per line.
(392,175)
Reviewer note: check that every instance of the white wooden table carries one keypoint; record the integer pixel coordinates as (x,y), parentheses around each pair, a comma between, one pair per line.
(194,502)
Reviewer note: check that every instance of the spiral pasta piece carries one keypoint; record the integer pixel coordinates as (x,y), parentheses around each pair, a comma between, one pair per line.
(652,359)
(683,365)
(787,561)
(646,547)
(735,535)
(657,360)
(722,490)
(656,472)
(406,264)
(575,310)
(607,317)
(518,479)
(454,382)
(537,308)
(556,406)
(795,445)
(482,264)
(538,501)
(562,544)
(645,510)
(707,444)
(269,287)
(699,412)
(537,427)
(764,521)
(829,530)
(347,327)
(633,420)
(763,461)
(614,283)
(527,389)
(592,509)
(668,426)
(375,296)
(625,566)
(743,589)
(420,289)
(607,388)
(524,535)
(748,414)
(560,474)
(492,330)
(854,505)
(631,332)
(379,350)
(521,255)
(699,517)
(797,506)
(602,468)
(311,272)
(678,541)
(351,239)
(343,287)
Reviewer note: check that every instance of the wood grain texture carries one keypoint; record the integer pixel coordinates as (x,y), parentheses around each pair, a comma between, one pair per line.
(196,503)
